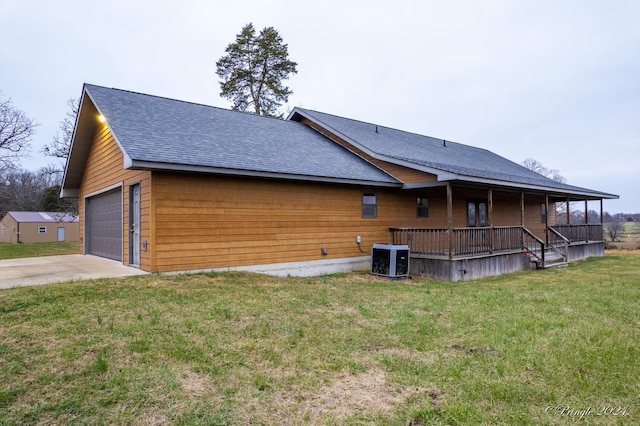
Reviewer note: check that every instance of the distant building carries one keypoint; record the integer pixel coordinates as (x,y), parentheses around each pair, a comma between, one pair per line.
(38,227)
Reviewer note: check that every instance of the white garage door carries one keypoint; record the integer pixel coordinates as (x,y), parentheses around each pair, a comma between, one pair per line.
(103,225)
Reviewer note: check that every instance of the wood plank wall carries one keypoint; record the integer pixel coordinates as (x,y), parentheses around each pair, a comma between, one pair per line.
(104,168)
(216,221)
(208,221)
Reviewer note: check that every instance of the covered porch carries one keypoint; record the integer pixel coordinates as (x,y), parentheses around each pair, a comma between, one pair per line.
(455,253)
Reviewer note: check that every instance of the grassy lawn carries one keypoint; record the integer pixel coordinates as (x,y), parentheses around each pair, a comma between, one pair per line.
(629,239)
(14,251)
(538,347)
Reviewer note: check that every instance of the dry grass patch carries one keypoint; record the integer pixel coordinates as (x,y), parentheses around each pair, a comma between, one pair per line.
(365,394)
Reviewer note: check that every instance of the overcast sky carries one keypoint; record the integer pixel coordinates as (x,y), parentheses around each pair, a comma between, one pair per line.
(555,80)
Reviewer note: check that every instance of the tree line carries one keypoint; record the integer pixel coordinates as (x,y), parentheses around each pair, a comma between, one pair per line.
(252,72)
(25,190)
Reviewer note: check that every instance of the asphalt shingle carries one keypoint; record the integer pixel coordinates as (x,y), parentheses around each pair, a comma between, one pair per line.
(161,130)
(445,156)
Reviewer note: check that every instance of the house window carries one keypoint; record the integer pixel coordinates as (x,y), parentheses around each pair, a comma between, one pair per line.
(477,213)
(543,213)
(369,205)
(3,230)
(422,206)
(42,229)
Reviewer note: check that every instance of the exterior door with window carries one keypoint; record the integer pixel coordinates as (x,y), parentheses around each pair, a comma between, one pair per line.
(134,225)
(479,239)
(476,213)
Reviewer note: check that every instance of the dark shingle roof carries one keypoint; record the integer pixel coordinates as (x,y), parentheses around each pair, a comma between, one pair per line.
(163,131)
(434,155)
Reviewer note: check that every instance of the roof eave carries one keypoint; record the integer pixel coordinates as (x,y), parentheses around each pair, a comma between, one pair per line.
(149,165)
(83,133)
(583,193)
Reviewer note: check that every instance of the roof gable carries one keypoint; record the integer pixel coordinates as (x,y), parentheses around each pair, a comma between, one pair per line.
(44,217)
(449,160)
(161,133)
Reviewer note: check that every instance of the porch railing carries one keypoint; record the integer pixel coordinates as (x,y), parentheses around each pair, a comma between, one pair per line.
(428,241)
(482,241)
(559,243)
(465,241)
(580,233)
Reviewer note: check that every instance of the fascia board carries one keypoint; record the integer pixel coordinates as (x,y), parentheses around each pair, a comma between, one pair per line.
(148,165)
(541,188)
(69,193)
(73,136)
(127,159)
(424,184)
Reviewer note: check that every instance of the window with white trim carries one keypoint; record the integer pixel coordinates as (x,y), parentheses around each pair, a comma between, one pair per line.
(42,229)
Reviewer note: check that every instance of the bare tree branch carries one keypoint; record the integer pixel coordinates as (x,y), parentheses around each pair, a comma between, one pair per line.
(536,166)
(16,130)
(61,144)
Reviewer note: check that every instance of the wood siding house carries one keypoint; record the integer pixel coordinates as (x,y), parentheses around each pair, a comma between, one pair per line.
(169,186)
(38,227)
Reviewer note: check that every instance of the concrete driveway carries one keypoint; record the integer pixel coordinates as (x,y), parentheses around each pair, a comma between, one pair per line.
(51,269)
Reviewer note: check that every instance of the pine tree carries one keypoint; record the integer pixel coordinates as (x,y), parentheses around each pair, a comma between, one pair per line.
(253,69)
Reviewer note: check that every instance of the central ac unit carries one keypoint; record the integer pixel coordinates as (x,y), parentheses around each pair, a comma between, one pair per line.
(389,260)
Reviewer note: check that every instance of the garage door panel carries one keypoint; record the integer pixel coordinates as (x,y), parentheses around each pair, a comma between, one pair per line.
(104,225)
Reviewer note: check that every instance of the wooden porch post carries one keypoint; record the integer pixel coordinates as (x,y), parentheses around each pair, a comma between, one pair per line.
(450,219)
(490,208)
(568,214)
(601,212)
(546,219)
(601,232)
(522,209)
(586,211)
(586,220)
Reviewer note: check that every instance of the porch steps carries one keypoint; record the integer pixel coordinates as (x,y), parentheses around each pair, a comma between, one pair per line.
(552,259)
